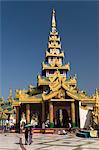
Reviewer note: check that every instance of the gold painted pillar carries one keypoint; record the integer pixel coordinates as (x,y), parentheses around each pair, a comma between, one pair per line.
(73,114)
(43,115)
(27,113)
(51,114)
(17,119)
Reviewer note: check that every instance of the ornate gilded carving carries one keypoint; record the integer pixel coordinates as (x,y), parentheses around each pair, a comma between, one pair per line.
(54,45)
(55,65)
(54,38)
(96,107)
(54,53)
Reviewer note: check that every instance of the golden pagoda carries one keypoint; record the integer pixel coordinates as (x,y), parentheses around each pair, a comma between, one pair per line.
(6,107)
(56,99)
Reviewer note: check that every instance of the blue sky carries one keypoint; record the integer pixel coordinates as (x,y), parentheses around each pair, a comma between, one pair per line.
(25,27)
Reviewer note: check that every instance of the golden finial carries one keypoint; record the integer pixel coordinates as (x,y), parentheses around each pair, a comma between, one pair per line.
(10,92)
(53,21)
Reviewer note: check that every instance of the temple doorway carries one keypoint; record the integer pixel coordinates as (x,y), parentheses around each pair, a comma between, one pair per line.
(36,115)
(61,118)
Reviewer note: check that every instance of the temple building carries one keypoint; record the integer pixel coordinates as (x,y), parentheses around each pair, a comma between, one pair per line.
(56,100)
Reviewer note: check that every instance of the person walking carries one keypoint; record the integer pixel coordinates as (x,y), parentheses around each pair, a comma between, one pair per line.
(30,136)
(69,124)
(26,136)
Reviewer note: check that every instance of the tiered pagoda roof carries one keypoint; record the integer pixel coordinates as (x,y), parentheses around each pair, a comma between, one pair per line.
(54,50)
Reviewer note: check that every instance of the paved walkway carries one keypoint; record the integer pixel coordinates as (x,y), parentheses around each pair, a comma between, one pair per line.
(11,141)
(62,142)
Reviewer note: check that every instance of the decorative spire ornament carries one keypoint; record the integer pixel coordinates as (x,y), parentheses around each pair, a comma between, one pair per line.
(53,21)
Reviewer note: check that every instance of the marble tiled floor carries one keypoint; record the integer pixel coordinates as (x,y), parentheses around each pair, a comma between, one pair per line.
(62,142)
(9,141)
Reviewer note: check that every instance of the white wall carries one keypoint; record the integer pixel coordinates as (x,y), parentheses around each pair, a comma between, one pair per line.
(83,114)
(50,61)
(60,60)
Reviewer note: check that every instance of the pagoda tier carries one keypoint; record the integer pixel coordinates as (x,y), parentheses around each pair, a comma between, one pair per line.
(56,65)
(57,76)
(54,44)
(54,38)
(54,55)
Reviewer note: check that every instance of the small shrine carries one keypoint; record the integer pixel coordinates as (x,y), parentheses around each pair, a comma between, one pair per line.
(7,112)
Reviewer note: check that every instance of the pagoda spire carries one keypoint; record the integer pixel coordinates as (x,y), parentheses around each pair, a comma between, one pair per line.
(10,92)
(53,21)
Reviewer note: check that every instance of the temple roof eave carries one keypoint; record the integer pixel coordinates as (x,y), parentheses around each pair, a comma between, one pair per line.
(58,46)
(73,96)
(27,99)
(31,100)
(87,101)
(83,99)
(54,38)
(55,33)
(42,81)
(69,82)
(46,66)
(54,54)
(49,96)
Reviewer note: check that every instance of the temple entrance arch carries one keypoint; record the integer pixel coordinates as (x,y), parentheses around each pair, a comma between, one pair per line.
(61,118)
